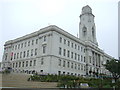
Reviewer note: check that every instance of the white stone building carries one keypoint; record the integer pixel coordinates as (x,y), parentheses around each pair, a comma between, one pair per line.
(55,51)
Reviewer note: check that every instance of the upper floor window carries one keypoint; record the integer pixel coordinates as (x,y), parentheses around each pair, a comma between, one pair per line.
(81,58)
(20,54)
(34,63)
(75,56)
(72,45)
(36,51)
(60,50)
(15,47)
(71,65)
(68,64)
(24,54)
(78,57)
(18,46)
(75,46)
(84,59)
(32,42)
(31,52)
(60,39)
(71,54)
(44,38)
(44,48)
(68,54)
(26,63)
(17,55)
(28,43)
(36,41)
(23,64)
(27,53)
(30,63)
(64,52)
(78,67)
(19,64)
(59,62)
(68,43)
(14,55)
(63,63)
(42,62)
(22,45)
(25,44)
(6,55)
(64,41)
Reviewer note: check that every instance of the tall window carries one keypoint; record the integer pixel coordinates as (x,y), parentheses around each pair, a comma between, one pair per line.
(28,43)
(27,53)
(78,67)
(68,54)
(6,55)
(75,56)
(63,63)
(75,46)
(71,65)
(44,49)
(72,45)
(36,41)
(81,58)
(93,32)
(14,56)
(64,41)
(78,57)
(84,31)
(31,52)
(20,54)
(44,38)
(68,64)
(60,39)
(36,51)
(32,42)
(25,44)
(24,54)
(19,64)
(34,63)
(71,54)
(22,45)
(16,64)
(30,63)
(17,55)
(64,52)
(84,59)
(42,62)
(59,62)
(26,63)
(68,43)
(75,66)
(23,64)
(18,46)
(60,50)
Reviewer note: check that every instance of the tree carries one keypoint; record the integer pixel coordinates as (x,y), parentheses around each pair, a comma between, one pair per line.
(114,67)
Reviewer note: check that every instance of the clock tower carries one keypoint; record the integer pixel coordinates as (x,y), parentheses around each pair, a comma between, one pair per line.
(87,30)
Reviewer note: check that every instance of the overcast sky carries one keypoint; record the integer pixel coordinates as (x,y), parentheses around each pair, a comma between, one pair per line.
(21,17)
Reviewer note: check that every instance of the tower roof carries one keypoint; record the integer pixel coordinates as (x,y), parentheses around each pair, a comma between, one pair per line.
(86,9)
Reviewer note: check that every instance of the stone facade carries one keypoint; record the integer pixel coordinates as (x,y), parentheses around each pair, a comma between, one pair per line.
(53,50)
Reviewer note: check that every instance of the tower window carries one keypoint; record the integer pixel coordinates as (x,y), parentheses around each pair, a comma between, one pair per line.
(93,31)
(84,31)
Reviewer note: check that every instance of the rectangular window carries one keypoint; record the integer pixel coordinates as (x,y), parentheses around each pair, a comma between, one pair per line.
(71,54)
(68,54)
(44,49)
(30,63)
(68,43)
(75,46)
(22,45)
(75,56)
(16,64)
(15,47)
(81,67)
(71,65)
(75,66)
(36,51)
(31,52)
(78,57)
(32,42)
(81,58)
(13,65)
(23,64)
(26,63)
(42,62)
(78,67)
(84,59)
(63,63)
(60,50)
(64,41)
(18,46)
(59,62)
(81,49)
(24,54)
(60,39)
(14,55)
(28,43)
(72,45)
(20,54)
(19,64)
(6,55)
(68,65)
(44,38)
(90,59)
(25,44)
(27,53)
(34,63)
(78,47)
(64,52)
(17,55)
(36,41)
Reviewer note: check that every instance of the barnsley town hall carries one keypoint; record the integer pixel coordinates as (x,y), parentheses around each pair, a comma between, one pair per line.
(51,50)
